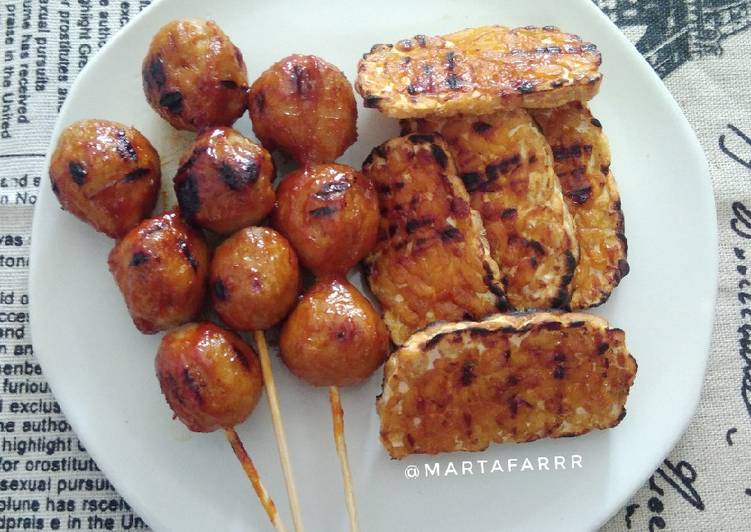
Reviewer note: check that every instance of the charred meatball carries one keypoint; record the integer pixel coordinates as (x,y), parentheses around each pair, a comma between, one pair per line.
(224,181)
(160,267)
(209,376)
(334,337)
(330,215)
(254,279)
(305,107)
(194,77)
(105,173)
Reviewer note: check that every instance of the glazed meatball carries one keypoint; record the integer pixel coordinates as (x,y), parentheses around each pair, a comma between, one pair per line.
(194,77)
(305,107)
(254,279)
(330,215)
(160,267)
(334,337)
(105,173)
(224,181)
(209,376)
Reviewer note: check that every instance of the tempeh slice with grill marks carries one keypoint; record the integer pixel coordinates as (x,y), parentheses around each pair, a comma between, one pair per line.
(432,261)
(582,163)
(507,168)
(478,71)
(510,378)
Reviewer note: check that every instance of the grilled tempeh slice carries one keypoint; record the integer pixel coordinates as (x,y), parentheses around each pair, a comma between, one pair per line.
(510,378)
(478,71)
(432,261)
(582,163)
(507,167)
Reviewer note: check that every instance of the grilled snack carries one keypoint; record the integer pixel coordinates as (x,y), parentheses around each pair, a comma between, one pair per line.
(305,107)
(507,168)
(224,181)
(160,267)
(329,212)
(209,376)
(432,260)
(478,71)
(582,162)
(462,386)
(254,279)
(334,337)
(106,174)
(193,75)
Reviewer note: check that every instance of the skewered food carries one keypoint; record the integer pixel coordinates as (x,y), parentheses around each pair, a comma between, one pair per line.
(254,279)
(224,181)
(582,162)
(305,107)
(160,267)
(432,260)
(193,75)
(507,168)
(334,337)
(106,174)
(478,71)
(209,376)
(462,386)
(330,215)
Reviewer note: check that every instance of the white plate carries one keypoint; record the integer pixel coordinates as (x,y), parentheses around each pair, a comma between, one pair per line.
(101,368)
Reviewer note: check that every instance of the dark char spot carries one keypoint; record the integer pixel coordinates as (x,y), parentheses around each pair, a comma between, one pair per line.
(172,101)
(156,71)
(187,197)
(332,189)
(421,40)
(372,101)
(185,250)
(596,123)
(77,172)
(526,86)
(580,195)
(481,127)
(468,373)
(260,101)
(439,155)
(124,148)
(472,181)
(414,224)
(602,348)
(301,79)
(551,326)
(138,258)
(623,267)
(418,138)
(453,81)
(238,178)
(326,210)
(219,290)
(449,234)
(240,357)
(508,213)
(136,174)
(412,90)
(228,84)
(192,385)
(559,372)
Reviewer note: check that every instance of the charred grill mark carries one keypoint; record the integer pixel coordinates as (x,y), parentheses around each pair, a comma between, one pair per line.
(188,197)
(559,372)
(453,81)
(514,404)
(602,348)
(472,181)
(596,123)
(526,87)
(430,344)
(416,223)
(192,385)
(439,155)
(508,214)
(551,326)
(605,169)
(138,258)
(124,148)
(326,210)
(479,332)
(77,172)
(301,79)
(136,174)
(623,268)
(187,253)
(536,247)
(502,304)
(481,127)
(237,179)
(580,196)
(576,324)
(172,101)
(468,373)
(228,84)
(259,101)
(332,189)
(450,234)
(372,101)
(383,188)
(558,83)
(563,296)
(419,138)
(156,72)
(574,151)
(504,166)
(219,290)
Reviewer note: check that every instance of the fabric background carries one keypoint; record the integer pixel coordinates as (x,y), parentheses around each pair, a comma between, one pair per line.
(701,48)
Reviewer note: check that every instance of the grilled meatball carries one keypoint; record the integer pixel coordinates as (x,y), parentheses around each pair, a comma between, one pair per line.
(330,215)
(334,337)
(105,173)
(209,376)
(193,75)
(254,279)
(224,181)
(160,267)
(305,107)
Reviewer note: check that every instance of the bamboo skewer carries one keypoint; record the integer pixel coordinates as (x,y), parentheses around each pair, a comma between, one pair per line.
(281,438)
(255,479)
(337,417)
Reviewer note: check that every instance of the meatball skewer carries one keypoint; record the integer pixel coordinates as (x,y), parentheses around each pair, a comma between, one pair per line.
(212,379)
(254,280)
(334,337)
